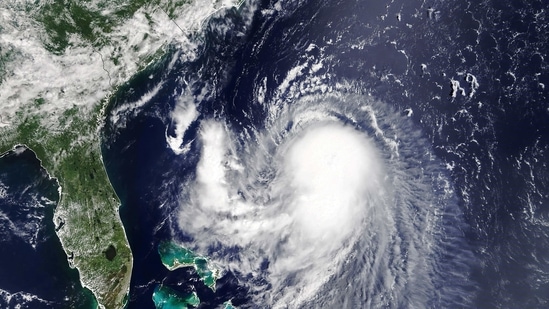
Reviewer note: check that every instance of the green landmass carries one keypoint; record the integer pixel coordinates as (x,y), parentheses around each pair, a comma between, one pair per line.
(167,298)
(86,217)
(175,256)
(68,145)
(63,18)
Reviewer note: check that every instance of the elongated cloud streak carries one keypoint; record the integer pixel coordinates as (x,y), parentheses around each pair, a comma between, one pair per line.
(324,195)
(324,178)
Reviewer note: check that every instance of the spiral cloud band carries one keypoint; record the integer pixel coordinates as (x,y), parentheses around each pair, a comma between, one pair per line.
(326,190)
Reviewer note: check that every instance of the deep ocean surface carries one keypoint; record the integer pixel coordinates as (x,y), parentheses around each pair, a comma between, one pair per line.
(463,81)
(34,272)
(450,102)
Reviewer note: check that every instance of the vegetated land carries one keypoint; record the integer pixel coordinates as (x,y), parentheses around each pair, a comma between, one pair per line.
(66,138)
(86,218)
(69,145)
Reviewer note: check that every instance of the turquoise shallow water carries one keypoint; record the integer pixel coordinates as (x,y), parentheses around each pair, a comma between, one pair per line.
(461,87)
(167,298)
(174,256)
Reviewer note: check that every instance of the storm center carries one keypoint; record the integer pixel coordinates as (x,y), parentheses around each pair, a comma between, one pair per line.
(332,171)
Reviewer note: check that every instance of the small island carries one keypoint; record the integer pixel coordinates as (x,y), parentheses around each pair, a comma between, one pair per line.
(167,298)
(175,256)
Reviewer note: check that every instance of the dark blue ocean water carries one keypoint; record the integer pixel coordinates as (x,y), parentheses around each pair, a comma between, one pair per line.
(138,167)
(421,58)
(494,136)
(34,272)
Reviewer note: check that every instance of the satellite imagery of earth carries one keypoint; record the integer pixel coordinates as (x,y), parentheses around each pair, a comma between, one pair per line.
(274,154)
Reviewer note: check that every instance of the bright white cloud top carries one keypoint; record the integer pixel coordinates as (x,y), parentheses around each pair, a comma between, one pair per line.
(324,192)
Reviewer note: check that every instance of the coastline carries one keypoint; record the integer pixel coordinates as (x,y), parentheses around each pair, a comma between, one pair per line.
(61,124)
(86,217)
(22,149)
